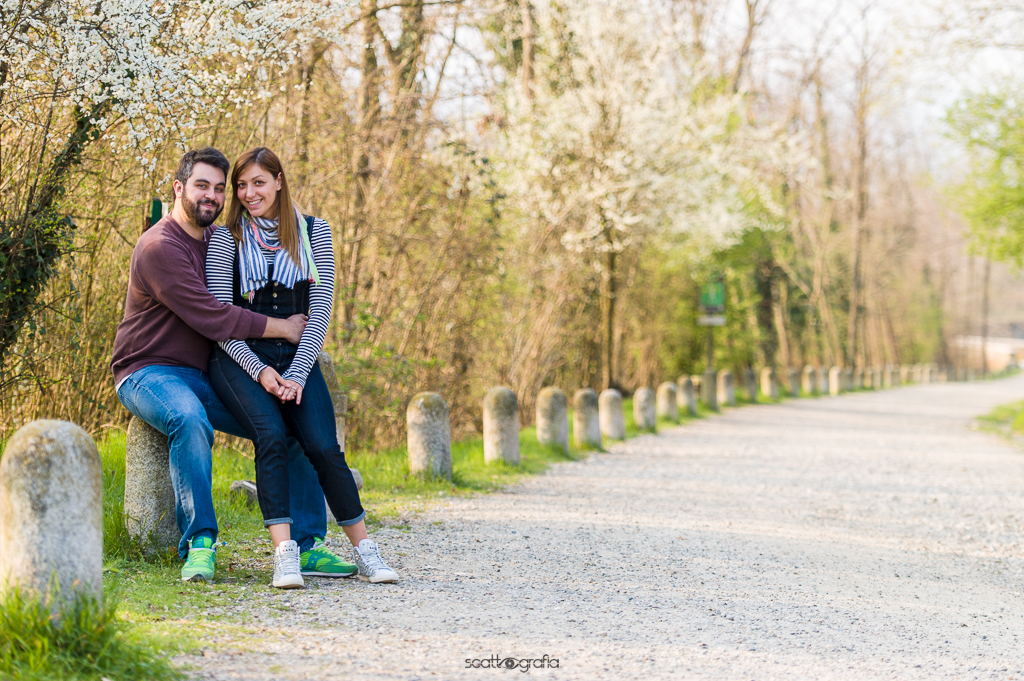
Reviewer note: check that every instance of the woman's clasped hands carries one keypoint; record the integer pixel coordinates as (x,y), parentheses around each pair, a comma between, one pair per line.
(282,388)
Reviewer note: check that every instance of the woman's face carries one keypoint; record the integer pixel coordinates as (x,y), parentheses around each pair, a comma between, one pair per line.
(257,190)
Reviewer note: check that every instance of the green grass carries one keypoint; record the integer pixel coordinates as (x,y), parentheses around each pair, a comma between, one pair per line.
(83,640)
(1006,420)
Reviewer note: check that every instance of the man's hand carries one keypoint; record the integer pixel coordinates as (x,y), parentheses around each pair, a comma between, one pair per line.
(272,382)
(289,329)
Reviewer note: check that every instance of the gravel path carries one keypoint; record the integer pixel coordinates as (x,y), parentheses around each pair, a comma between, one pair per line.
(864,536)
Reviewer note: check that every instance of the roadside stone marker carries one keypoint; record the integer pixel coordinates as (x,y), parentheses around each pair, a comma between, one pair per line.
(769,386)
(808,380)
(686,396)
(709,389)
(553,418)
(858,379)
(905,374)
(613,424)
(586,423)
(668,402)
(847,379)
(793,381)
(726,388)
(835,378)
(823,382)
(645,414)
(501,426)
(429,436)
(338,398)
(148,492)
(51,512)
(750,384)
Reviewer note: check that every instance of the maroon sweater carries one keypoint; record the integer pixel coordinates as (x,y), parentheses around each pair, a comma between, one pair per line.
(169,315)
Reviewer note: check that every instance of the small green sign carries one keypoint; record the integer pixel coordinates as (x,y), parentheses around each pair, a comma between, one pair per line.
(712,297)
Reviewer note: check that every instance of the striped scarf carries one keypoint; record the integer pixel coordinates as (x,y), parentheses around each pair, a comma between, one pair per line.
(252,265)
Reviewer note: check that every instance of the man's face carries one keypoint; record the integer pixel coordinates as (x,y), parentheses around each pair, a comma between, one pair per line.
(202,197)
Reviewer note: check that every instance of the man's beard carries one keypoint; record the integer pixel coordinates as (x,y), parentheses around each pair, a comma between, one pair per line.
(197,215)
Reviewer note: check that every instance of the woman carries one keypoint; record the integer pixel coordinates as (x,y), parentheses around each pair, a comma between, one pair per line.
(272,260)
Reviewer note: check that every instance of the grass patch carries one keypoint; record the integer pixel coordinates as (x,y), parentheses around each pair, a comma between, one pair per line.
(83,641)
(1006,420)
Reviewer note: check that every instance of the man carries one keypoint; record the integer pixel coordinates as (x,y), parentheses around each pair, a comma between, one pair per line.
(160,362)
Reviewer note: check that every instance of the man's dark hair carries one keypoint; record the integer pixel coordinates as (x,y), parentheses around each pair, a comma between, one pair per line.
(207,155)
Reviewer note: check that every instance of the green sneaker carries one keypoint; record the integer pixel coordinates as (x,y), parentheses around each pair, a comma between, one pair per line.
(320,562)
(199,565)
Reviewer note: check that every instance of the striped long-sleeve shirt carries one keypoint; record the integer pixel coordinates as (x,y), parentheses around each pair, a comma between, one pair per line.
(219,278)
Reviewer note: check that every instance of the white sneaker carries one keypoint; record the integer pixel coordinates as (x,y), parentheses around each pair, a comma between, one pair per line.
(372,567)
(286,566)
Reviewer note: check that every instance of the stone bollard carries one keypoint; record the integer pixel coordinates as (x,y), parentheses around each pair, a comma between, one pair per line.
(51,513)
(750,384)
(586,424)
(148,493)
(894,376)
(834,380)
(709,389)
(887,376)
(808,380)
(847,379)
(501,426)
(338,398)
(905,374)
(769,386)
(686,396)
(823,385)
(668,402)
(553,418)
(613,424)
(858,378)
(726,388)
(645,414)
(793,381)
(429,436)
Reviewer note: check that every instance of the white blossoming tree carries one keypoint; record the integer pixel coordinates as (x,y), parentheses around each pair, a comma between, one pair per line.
(623,137)
(133,73)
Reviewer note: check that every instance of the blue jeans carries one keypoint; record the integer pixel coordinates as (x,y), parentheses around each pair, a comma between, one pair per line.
(180,403)
(267,421)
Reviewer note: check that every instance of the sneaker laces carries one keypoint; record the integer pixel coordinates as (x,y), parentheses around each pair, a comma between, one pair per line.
(287,559)
(371,556)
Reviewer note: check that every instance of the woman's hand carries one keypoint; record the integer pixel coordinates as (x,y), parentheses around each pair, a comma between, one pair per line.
(293,390)
(273,383)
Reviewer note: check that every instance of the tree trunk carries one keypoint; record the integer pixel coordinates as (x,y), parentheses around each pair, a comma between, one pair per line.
(608,320)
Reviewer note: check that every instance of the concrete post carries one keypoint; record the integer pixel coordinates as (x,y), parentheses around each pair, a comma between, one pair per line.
(148,493)
(586,424)
(686,396)
(750,384)
(338,398)
(645,415)
(501,426)
(613,424)
(51,513)
(709,389)
(668,402)
(835,379)
(808,380)
(553,418)
(429,436)
(793,381)
(726,388)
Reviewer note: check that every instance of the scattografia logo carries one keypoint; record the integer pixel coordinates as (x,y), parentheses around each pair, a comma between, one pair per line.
(523,664)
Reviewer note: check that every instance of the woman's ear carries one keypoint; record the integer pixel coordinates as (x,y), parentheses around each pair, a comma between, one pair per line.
(279,176)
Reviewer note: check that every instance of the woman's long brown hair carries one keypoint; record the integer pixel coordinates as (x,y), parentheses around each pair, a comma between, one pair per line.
(287,225)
